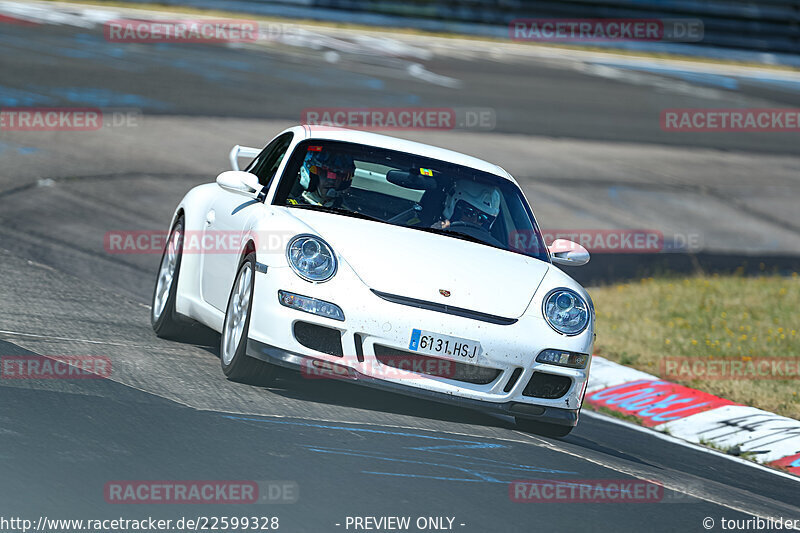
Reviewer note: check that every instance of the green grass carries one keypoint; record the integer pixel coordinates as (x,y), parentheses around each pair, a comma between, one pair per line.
(730,450)
(707,317)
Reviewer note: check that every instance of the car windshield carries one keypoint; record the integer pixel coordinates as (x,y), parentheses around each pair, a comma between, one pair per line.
(411,191)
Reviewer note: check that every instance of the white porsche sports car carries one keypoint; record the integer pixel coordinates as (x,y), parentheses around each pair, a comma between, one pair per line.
(387,262)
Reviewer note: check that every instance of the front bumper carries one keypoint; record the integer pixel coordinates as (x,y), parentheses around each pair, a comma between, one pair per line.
(295,361)
(372,322)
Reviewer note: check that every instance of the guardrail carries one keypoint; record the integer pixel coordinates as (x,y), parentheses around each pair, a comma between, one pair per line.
(757,25)
(765,25)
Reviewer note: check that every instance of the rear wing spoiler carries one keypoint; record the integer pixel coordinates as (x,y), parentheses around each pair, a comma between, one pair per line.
(241,151)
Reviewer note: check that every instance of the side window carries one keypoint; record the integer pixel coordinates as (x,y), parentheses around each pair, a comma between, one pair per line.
(268,161)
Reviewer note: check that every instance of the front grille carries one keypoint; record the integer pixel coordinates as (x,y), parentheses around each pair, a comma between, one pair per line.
(547,386)
(512,380)
(435,366)
(319,338)
(442,308)
(359,347)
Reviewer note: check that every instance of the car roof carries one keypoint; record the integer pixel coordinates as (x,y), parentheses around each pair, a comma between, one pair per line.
(402,145)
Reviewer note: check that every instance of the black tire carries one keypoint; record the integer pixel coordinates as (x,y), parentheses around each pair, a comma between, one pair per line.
(242,367)
(169,324)
(544,429)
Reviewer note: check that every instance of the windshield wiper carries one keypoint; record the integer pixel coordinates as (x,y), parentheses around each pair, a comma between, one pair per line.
(337,210)
(357,214)
(455,234)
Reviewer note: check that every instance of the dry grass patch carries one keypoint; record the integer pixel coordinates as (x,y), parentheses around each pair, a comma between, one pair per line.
(706,317)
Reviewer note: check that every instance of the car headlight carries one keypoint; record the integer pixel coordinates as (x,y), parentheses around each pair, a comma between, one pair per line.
(566,311)
(311,258)
(310,305)
(562,358)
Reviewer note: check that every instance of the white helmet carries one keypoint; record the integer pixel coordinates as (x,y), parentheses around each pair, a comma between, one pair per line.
(485,198)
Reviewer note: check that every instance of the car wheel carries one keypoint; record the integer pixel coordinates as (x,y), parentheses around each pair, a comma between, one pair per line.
(543,428)
(236,364)
(165,321)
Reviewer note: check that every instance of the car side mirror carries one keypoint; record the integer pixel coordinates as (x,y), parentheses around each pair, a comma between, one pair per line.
(564,252)
(240,182)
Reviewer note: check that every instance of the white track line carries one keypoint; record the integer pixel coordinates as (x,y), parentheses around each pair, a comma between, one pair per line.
(675,487)
(528,439)
(686,443)
(585,412)
(536,441)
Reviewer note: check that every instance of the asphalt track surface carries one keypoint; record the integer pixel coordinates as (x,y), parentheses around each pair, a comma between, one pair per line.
(168,413)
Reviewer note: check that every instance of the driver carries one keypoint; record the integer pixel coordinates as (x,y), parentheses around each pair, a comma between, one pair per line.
(471,203)
(326,177)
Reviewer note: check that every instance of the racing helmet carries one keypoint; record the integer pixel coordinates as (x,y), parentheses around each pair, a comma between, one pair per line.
(329,173)
(472,199)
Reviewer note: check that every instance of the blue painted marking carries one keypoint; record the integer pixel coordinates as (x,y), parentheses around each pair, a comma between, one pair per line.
(95,48)
(105,98)
(480,469)
(346,428)
(74,53)
(595,488)
(701,78)
(481,475)
(10,97)
(477,446)
(441,478)
(493,472)
(414,344)
(24,150)
(795,463)
(50,96)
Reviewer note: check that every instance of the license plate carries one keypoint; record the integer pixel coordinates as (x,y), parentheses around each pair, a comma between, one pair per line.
(444,345)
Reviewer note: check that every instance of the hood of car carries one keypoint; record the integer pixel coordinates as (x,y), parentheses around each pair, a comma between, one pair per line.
(429,267)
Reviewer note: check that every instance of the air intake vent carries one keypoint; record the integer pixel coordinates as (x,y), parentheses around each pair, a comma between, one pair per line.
(435,366)
(547,386)
(359,347)
(512,380)
(319,338)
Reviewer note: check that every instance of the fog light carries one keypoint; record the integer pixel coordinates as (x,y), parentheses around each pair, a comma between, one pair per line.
(310,305)
(562,358)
